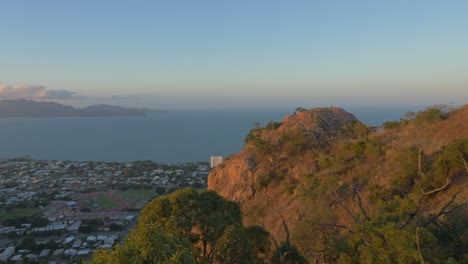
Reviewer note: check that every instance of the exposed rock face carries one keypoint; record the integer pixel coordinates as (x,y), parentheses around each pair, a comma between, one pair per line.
(318,125)
(253,179)
(235,178)
(320,121)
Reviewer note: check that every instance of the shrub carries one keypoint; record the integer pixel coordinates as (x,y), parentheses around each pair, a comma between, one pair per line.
(293,142)
(272,125)
(323,162)
(262,180)
(391,125)
(430,115)
(259,144)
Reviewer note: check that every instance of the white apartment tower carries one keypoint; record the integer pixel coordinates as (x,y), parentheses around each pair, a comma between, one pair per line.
(215,161)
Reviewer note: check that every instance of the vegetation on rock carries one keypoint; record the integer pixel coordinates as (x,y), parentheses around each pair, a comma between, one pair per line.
(350,195)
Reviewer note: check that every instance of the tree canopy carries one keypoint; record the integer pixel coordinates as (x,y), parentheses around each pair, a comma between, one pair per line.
(190,226)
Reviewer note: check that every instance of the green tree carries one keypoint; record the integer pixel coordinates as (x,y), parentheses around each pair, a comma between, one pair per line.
(391,125)
(241,253)
(300,109)
(148,245)
(259,239)
(186,226)
(430,115)
(381,244)
(453,234)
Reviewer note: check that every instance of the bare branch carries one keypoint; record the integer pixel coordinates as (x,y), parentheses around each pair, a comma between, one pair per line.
(413,214)
(447,182)
(443,210)
(418,183)
(327,224)
(282,255)
(276,244)
(393,187)
(286,230)
(455,208)
(340,202)
(419,248)
(400,190)
(466,165)
(450,202)
(358,195)
(420,173)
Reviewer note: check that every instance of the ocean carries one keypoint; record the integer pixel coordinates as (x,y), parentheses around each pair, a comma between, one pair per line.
(172,137)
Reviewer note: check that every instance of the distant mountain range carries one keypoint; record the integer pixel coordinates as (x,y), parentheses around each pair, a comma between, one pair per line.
(29,108)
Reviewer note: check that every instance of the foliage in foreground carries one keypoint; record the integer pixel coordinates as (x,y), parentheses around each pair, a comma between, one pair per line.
(389,222)
(190,226)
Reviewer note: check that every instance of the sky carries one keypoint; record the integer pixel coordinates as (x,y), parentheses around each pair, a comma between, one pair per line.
(178,54)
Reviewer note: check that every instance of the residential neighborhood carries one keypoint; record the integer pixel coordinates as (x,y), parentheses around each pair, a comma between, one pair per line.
(63,211)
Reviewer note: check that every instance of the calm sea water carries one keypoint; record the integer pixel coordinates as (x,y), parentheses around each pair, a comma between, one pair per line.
(173,137)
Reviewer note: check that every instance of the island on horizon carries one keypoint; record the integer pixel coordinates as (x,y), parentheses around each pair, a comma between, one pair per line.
(30,108)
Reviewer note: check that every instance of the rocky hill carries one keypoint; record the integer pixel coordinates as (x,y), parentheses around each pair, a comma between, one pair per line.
(329,177)
(238,176)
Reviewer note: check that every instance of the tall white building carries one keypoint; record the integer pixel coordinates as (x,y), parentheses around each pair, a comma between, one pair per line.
(215,161)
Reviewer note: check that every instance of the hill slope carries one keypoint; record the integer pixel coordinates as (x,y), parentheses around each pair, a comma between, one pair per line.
(330,178)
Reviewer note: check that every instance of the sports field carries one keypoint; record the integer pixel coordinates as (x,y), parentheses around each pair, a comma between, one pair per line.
(137,198)
(102,201)
(115,200)
(17,212)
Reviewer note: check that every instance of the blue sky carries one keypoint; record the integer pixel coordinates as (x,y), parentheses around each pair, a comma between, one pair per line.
(217,54)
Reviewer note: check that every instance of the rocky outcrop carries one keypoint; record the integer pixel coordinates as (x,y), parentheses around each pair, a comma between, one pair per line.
(237,177)
(262,181)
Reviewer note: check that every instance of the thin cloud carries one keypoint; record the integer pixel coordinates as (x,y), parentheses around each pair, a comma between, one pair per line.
(35,92)
(120,97)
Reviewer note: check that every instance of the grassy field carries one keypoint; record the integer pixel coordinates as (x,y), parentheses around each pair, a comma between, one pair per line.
(17,212)
(104,202)
(137,198)
(101,202)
